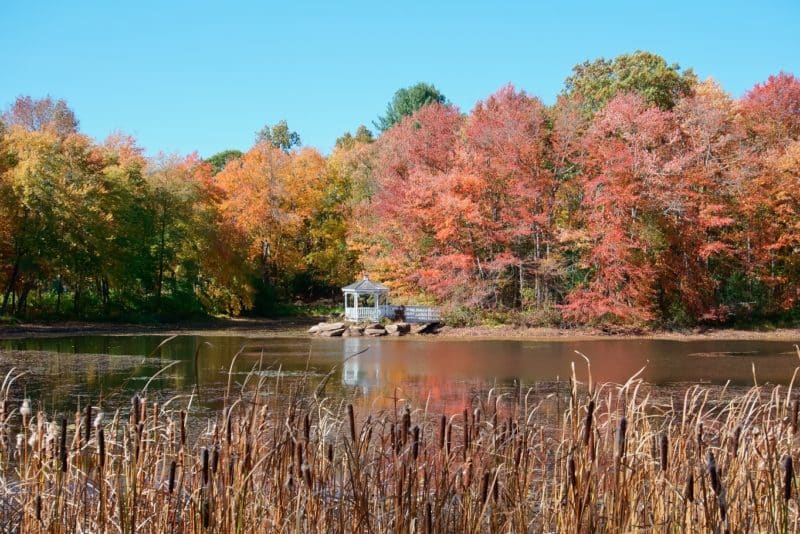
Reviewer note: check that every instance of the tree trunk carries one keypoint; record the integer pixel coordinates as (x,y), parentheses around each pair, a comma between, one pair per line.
(10,285)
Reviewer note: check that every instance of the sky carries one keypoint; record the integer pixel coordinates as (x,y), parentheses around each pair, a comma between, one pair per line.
(205,76)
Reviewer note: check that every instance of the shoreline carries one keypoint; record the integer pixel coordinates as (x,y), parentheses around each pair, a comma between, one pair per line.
(296,327)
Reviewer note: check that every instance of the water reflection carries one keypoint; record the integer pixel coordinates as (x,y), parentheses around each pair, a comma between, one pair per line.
(446,373)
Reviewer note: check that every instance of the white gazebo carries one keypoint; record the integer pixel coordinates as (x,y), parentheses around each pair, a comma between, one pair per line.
(366,300)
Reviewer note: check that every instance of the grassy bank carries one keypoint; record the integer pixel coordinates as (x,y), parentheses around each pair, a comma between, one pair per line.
(285,457)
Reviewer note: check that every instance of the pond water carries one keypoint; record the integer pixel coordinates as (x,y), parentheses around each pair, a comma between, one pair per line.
(63,372)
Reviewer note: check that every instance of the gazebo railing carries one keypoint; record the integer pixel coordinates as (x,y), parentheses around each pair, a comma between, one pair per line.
(413,314)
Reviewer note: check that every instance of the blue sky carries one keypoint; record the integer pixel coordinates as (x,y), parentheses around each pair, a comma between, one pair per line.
(205,76)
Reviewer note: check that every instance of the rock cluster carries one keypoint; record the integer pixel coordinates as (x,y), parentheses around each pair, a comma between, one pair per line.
(370,330)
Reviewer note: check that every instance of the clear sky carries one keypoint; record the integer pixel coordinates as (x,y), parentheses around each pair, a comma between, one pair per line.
(205,76)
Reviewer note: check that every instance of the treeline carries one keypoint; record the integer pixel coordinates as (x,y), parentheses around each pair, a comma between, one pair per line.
(642,196)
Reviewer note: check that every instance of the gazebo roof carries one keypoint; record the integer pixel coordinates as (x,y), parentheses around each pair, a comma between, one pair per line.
(365,286)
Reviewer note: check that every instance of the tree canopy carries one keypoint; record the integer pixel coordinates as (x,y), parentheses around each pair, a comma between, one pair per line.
(406,101)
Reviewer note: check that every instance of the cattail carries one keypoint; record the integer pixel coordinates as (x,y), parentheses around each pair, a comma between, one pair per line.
(713,473)
(306,472)
(415,446)
(788,477)
(215,459)
(621,430)
(795,409)
(206,511)
(737,434)
(39,508)
(688,492)
(700,438)
(485,487)
(88,425)
(449,438)
(587,425)
(330,452)
(135,409)
(352,418)
(571,475)
(183,428)
(664,451)
(101,447)
(307,428)
(98,420)
(406,426)
(428,518)
(442,430)
(25,410)
(63,445)
(205,466)
(172,467)
(228,425)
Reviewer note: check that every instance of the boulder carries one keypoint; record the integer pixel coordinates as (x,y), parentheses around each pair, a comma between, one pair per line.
(355,331)
(398,329)
(332,333)
(324,327)
(314,329)
(374,332)
(424,328)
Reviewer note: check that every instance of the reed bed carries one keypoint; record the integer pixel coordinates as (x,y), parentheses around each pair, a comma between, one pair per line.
(580,458)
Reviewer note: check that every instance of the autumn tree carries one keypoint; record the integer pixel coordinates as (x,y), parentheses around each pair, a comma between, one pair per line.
(279,136)
(44,114)
(644,73)
(220,159)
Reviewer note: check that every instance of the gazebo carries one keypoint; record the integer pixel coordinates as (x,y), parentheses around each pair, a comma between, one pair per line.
(365,300)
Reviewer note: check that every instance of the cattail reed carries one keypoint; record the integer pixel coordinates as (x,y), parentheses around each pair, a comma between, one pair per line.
(172,468)
(795,409)
(205,464)
(485,487)
(442,430)
(415,443)
(587,425)
(688,492)
(621,431)
(63,445)
(788,477)
(183,428)
(135,411)
(215,460)
(664,450)
(713,473)
(737,434)
(101,447)
(352,420)
(88,424)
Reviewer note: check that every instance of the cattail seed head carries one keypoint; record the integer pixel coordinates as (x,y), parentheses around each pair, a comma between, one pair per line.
(25,410)
(63,445)
(587,425)
(688,493)
(415,446)
(788,477)
(352,419)
(205,456)
(713,473)
(664,452)
(172,467)
(622,429)
(101,447)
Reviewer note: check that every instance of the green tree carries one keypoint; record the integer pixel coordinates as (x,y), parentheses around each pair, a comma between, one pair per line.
(279,136)
(406,101)
(644,73)
(220,159)
(362,135)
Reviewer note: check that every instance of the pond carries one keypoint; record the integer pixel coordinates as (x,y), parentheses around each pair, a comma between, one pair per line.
(63,372)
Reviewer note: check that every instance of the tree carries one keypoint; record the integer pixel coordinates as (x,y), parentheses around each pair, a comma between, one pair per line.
(279,136)
(220,159)
(362,135)
(407,101)
(44,114)
(644,73)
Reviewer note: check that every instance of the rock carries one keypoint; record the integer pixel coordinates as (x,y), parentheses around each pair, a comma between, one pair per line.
(314,329)
(332,333)
(392,330)
(355,331)
(375,326)
(403,328)
(424,328)
(324,327)
(375,332)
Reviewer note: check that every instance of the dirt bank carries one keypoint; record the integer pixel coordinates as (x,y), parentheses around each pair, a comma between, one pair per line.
(296,327)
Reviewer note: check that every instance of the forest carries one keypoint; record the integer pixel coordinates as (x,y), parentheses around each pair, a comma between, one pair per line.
(643,196)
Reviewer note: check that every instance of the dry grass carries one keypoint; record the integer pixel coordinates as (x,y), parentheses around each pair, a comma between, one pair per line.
(284,458)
